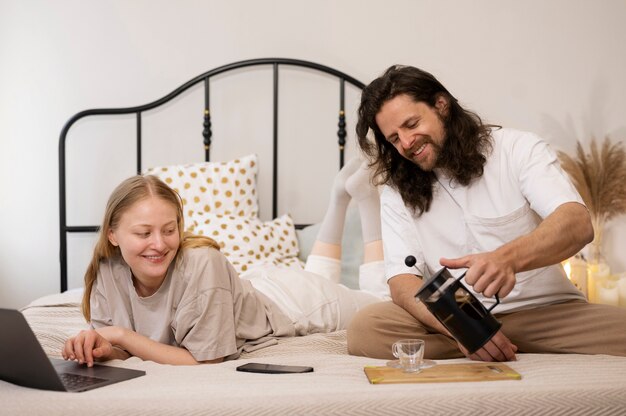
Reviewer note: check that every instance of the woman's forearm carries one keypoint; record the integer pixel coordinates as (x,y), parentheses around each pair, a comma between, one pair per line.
(147,349)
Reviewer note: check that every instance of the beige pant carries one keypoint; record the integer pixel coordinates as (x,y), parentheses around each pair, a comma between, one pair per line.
(570,327)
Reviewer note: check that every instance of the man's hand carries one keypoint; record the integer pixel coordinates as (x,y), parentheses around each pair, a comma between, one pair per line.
(488,273)
(498,348)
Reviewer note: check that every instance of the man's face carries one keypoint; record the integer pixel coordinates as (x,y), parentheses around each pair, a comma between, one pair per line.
(415,129)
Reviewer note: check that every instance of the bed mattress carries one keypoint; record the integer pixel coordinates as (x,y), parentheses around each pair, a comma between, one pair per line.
(550,384)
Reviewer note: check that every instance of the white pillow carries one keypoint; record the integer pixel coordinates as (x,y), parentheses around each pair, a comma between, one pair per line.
(222,188)
(247,241)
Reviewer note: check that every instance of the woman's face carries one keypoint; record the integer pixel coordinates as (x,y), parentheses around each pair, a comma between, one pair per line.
(148,238)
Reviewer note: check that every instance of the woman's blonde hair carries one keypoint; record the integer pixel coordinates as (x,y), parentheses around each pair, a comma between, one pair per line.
(127,194)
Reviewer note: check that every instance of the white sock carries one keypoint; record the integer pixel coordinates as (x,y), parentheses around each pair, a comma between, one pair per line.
(331,229)
(359,186)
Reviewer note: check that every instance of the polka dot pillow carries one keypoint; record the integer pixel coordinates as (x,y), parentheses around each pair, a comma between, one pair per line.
(221,188)
(248,242)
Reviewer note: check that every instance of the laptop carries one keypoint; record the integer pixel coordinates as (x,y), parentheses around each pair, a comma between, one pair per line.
(24,362)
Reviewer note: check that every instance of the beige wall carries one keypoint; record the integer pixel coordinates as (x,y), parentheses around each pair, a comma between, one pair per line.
(553,67)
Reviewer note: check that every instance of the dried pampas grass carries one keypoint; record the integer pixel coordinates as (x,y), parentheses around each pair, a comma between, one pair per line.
(600,178)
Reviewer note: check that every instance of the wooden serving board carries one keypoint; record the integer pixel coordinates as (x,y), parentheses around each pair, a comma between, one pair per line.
(443,373)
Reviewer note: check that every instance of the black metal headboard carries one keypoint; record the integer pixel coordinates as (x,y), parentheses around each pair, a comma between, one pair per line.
(206,133)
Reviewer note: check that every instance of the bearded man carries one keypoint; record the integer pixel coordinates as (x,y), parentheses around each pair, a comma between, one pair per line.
(474,197)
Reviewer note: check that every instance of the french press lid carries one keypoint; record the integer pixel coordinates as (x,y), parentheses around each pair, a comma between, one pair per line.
(433,284)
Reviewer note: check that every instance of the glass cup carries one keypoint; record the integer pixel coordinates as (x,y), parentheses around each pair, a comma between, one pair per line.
(410,354)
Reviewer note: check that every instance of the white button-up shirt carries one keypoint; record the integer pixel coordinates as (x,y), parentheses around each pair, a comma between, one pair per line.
(521,185)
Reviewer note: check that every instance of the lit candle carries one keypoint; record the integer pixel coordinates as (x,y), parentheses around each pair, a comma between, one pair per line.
(608,292)
(568,269)
(621,286)
(597,273)
(578,273)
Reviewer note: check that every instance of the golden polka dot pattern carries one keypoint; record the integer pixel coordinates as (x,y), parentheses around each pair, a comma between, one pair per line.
(248,242)
(220,188)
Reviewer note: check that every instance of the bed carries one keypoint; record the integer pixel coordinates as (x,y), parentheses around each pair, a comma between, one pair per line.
(550,384)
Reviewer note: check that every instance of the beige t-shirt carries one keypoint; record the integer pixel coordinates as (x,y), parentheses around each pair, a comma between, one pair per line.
(201,306)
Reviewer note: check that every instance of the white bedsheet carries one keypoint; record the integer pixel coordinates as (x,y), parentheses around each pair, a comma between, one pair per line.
(551,384)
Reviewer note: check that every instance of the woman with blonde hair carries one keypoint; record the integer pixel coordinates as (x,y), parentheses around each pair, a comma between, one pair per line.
(160,294)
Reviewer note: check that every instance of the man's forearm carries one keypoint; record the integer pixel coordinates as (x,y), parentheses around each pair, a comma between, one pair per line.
(561,235)
(403,290)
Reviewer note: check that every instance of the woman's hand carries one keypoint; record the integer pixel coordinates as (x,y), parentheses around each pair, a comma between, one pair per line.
(87,346)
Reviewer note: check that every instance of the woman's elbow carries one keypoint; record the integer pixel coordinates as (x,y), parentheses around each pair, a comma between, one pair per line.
(215,361)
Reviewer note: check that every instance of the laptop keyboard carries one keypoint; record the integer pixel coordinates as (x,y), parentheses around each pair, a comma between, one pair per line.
(75,381)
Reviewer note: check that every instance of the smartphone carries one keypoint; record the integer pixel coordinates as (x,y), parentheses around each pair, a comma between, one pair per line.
(273,368)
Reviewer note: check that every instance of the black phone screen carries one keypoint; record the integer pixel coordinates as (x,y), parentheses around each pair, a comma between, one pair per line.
(273,368)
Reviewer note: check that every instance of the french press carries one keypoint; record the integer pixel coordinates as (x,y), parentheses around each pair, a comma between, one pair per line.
(457,309)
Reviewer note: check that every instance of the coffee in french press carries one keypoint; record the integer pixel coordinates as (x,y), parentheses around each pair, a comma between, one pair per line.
(457,309)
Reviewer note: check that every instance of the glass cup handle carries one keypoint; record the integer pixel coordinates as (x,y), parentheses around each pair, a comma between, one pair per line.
(394,350)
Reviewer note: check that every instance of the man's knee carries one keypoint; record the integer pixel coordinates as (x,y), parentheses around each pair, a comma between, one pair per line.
(366,331)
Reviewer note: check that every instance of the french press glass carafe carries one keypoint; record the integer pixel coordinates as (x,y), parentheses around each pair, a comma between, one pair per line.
(457,309)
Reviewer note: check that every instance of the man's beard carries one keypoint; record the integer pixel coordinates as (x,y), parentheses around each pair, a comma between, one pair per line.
(428,163)
(446,157)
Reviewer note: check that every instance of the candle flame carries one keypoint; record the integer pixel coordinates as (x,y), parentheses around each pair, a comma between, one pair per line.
(568,269)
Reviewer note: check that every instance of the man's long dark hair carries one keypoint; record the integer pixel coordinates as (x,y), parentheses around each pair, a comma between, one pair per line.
(464,152)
